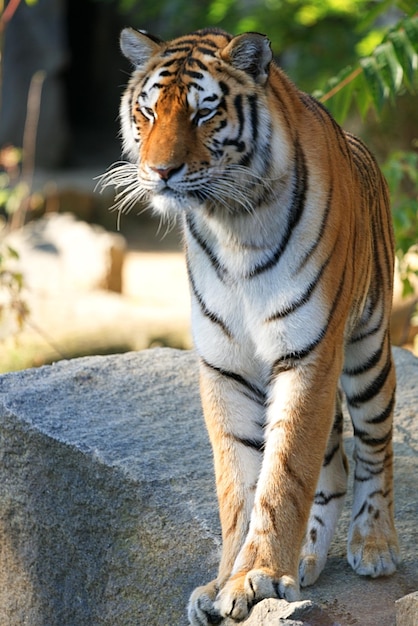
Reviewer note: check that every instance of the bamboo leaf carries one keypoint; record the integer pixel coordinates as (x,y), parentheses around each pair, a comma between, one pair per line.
(362,95)
(409,7)
(411,28)
(380,76)
(374,81)
(389,68)
(405,54)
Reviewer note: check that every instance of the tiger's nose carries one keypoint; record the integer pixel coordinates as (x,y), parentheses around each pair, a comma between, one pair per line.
(166,172)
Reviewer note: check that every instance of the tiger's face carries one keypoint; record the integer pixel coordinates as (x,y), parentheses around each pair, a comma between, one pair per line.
(194,119)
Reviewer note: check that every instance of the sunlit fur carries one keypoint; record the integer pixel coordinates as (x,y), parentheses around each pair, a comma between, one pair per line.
(289,252)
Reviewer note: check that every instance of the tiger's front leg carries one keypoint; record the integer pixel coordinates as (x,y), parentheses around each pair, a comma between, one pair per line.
(300,416)
(235,415)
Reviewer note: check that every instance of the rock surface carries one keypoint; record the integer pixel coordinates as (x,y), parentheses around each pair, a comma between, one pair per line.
(108,515)
(407,610)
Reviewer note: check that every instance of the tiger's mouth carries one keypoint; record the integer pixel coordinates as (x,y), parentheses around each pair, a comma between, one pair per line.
(169,201)
(183,195)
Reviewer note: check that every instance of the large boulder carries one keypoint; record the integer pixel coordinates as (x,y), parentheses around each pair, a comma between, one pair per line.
(108,514)
(59,254)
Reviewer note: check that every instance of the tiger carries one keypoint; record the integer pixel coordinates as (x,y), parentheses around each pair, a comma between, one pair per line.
(289,253)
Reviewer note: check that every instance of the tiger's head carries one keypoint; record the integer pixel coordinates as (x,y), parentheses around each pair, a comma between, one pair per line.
(195,121)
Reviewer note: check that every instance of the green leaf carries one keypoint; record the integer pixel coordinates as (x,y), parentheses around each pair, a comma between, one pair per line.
(407,288)
(406,55)
(389,67)
(362,95)
(408,7)
(341,102)
(411,28)
(13,254)
(374,81)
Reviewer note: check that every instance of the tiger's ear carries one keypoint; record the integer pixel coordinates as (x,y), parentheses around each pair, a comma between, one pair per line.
(250,52)
(138,46)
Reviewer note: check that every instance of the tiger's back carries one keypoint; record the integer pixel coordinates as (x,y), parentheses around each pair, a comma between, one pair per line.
(290,257)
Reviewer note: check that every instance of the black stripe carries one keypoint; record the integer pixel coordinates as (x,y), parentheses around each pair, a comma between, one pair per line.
(193,74)
(196,86)
(290,360)
(368,333)
(367,365)
(165,73)
(240,113)
(214,261)
(312,105)
(224,87)
(328,457)
(237,378)
(169,63)
(251,443)
(237,141)
(194,61)
(253,117)
(383,416)
(282,108)
(211,98)
(338,425)
(322,499)
(184,45)
(322,228)
(372,390)
(206,51)
(361,511)
(295,213)
(215,319)
(373,463)
(302,299)
(371,473)
(372,441)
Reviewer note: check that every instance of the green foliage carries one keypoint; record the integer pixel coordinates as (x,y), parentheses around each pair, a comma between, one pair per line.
(389,70)
(401,171)
(312,39)
(13,307)
(13,190)
(12,302)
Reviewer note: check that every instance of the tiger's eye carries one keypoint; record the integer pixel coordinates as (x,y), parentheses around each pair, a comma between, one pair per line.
(203,115)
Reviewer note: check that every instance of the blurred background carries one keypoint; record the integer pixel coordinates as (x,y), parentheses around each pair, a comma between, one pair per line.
(75,279)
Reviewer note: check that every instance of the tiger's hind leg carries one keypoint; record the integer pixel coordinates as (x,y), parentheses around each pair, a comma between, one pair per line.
(327,505)
(369,383)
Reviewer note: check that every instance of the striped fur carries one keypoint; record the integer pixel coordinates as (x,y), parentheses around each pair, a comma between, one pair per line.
(290,255)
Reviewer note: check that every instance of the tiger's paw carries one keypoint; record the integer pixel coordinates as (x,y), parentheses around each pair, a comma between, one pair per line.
(310,567)
(373,553)
(244,590)
(201,610)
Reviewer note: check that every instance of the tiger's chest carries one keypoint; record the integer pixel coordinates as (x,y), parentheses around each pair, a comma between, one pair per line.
(248,305)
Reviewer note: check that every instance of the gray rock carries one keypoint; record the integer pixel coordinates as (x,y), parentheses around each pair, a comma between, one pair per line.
(59,254)
(108,514)
(407,610)
(279,612)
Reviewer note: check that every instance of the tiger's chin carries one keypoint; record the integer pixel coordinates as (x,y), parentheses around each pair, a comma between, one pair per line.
(170,203)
